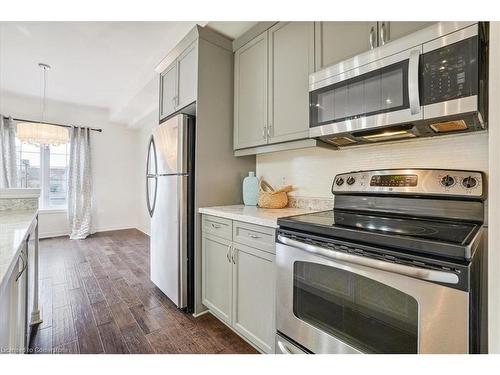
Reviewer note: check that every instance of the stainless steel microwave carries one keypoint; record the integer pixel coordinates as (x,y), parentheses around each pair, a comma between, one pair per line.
(429,83)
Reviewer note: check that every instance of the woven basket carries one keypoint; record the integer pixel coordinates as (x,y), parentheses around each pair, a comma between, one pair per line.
(270,198)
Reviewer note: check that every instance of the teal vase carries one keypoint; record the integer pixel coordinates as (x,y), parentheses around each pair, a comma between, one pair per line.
(250,189)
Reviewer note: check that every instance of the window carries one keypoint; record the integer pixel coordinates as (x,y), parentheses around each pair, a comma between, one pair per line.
(44,167)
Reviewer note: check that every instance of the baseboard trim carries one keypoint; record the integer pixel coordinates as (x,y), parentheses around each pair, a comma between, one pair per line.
(96,230)
(145,233)
(197,315)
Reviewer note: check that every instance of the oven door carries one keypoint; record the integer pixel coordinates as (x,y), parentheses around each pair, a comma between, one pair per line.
(334,302)
(378,94)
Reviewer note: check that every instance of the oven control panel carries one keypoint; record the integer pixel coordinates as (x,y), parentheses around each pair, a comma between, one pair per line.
(431,182)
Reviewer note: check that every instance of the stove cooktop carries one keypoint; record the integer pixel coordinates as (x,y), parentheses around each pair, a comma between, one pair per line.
(437,237)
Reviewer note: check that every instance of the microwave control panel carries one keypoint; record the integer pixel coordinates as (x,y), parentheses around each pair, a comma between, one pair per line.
(450,72)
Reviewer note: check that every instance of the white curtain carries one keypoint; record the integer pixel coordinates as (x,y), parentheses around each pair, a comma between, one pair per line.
(8,172)
(79,184)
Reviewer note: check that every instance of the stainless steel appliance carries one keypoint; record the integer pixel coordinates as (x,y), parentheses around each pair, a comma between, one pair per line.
(432,82)
(396,267)
(170,202)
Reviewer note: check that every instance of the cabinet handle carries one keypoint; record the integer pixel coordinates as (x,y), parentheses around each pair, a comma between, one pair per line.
(264,131)
(233,256)
(371,38)
(269,129)
(227,254)
(253,235)
(383,33)
(24,266)
(215,226)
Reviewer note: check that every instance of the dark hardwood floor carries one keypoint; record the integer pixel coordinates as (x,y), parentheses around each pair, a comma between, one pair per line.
(96,297)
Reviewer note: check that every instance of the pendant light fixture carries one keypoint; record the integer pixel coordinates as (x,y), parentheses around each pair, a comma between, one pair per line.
(41,133)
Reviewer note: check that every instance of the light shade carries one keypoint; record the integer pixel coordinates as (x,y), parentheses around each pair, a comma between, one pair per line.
(42,134)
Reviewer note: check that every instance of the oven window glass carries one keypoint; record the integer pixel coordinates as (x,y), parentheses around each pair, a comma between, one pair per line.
(364,313)
(379,91)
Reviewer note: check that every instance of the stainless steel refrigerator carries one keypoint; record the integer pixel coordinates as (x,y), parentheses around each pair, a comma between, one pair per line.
(170,202)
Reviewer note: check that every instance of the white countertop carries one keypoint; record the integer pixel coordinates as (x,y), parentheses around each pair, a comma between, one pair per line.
(254,215)
(14,228)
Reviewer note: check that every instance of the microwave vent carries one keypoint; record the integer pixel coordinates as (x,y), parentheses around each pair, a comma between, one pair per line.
(449,126)
(341,141)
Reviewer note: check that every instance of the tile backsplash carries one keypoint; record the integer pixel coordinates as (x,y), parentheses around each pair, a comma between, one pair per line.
(7,204)
(311,171)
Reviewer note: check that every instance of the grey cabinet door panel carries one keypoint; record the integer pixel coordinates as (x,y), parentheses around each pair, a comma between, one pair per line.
(337,41)
(395,30)
(254,295)
(187,72)
(217,276)
(168,90)
(291,59)
(250,90)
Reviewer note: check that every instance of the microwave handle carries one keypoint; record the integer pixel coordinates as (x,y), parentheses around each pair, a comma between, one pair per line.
(413,92)
(416,272)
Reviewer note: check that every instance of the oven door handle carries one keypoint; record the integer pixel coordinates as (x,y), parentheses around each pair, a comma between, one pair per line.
(415,272)
(413,91)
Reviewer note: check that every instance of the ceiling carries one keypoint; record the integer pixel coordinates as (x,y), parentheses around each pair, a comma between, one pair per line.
(101,64)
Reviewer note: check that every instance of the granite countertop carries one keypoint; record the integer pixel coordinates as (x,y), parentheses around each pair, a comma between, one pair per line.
(15,226)
(254,215)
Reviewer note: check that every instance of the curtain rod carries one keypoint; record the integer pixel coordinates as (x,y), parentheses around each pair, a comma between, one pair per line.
(51,123)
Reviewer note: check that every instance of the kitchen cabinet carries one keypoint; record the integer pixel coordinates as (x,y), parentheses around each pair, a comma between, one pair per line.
(178,82)
(389,31)
(238,280)
(337,41)
(217,276)
(253,295)
(271,85)
(291,60)
(250,90)
(13,309)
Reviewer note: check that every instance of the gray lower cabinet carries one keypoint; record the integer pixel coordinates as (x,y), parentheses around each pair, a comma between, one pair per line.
(253,295)
(238,279)
(217,276)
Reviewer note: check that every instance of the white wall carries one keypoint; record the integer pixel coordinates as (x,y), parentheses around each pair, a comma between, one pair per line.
(114,162)
(311,171)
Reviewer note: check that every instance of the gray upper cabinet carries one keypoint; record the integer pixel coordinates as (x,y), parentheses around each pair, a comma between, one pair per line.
(291,60)
(250,88)
(187,66)
(393,30)
(178,82)
(168,90)
(337,41)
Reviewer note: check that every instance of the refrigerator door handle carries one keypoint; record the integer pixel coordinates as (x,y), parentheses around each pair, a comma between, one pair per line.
(151,205)
(149,176)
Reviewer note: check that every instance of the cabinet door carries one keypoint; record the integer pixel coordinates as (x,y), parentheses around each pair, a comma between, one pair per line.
(250,93)
(291,59)
(168,90)
(187,76)
(337,41)
(394,30)
(217,276)
(254,296)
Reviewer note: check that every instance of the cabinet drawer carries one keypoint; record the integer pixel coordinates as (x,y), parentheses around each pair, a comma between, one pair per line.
(218,226)
(255,236)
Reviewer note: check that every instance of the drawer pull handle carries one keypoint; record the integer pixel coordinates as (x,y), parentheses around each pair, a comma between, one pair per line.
(215,226)
(253,235)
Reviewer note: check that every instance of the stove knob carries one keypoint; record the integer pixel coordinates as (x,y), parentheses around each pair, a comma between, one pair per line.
(340,181)
(447,181)
(351,180)
(469,182)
